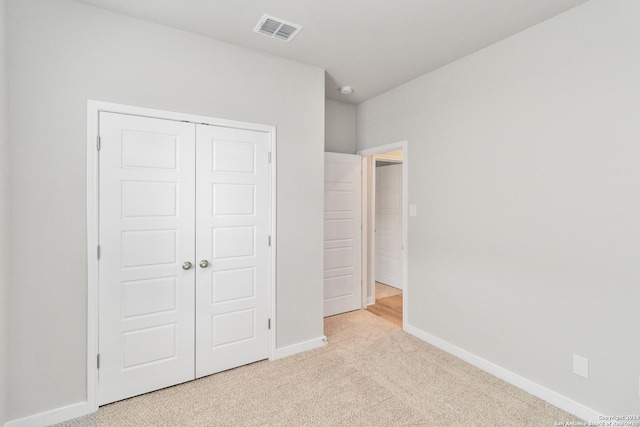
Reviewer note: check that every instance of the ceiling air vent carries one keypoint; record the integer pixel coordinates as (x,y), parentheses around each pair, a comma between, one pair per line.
(277,28)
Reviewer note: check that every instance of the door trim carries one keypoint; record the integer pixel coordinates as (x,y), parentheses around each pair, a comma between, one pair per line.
(368,262)
(93,221)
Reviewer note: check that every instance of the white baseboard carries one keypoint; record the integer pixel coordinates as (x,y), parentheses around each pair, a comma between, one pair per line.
(299,348)
(525,384)
(54,416)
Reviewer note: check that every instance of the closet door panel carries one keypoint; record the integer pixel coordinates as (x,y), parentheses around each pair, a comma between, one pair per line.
(146,324)
(232,242)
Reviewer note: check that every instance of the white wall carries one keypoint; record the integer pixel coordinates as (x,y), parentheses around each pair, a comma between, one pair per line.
(525,172)
(4,209)
(62,53)
(340,127)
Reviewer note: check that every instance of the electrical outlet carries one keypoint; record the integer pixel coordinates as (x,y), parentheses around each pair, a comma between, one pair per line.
(581,366)
(412,210)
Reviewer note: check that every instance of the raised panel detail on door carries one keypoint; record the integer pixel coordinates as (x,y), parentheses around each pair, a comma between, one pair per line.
(232,205)
(236,157)
(233,242)
(145,346)
(144,149)
(146,248)
(233,199)
(149,199)
(342,222)
(141,297)
(389,225)
(234,327)
(232,285)
(146,232)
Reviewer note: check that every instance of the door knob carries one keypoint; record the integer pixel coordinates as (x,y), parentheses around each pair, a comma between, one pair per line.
(186,265)
(204,263)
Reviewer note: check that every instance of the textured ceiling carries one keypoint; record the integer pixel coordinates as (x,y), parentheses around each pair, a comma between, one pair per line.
(371,45)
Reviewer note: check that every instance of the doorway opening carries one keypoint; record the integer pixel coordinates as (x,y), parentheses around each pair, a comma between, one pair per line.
(385,231)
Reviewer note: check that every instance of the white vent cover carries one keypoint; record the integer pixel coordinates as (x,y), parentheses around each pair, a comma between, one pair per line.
(276,27)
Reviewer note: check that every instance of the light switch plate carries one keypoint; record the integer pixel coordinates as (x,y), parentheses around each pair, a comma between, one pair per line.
(581,366)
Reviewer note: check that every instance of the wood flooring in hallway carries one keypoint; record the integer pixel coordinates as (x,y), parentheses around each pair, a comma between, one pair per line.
(388,304)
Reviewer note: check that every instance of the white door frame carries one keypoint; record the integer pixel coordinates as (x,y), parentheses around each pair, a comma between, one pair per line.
(93,110)
(368,260)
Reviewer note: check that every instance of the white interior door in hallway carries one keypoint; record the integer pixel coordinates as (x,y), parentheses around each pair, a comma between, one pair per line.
(184,252)
(342,233)
(388,238)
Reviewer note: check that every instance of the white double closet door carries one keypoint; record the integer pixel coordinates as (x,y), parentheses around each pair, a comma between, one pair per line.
(184,252)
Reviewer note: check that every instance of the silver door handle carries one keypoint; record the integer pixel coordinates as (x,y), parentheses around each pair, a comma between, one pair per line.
(204,263)
(186,265)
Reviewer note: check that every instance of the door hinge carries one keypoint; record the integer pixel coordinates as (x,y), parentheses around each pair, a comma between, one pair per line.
(98,143)
(269,324)
(269,156)
(98,360)
(98,251)
(269,240)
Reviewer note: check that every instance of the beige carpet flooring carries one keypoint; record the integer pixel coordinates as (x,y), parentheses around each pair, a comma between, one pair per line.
(370,374)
